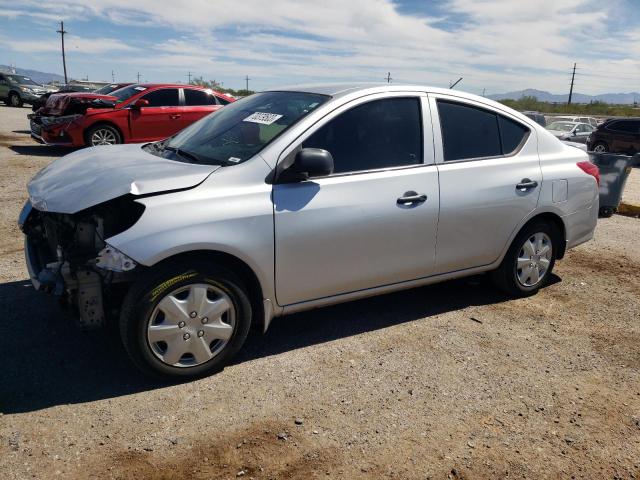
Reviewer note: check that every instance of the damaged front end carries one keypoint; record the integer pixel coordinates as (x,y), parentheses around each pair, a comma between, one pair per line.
(67,255)
(52,123)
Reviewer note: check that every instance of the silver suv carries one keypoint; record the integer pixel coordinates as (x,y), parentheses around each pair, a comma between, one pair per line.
(293,199)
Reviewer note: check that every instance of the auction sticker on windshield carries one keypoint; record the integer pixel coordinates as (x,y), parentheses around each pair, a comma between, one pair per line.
(263,118)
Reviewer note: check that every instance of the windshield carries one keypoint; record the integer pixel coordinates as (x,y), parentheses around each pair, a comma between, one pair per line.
(22,80)
(562,126)
(126,93)
(243,128)
(106,89)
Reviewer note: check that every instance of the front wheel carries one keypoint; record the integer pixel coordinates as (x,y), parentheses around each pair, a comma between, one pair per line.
(185,321)
(15,100)
(529,261)
(102,135)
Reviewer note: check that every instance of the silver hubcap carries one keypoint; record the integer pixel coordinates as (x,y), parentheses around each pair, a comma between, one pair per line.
(534,259)
(599,148)
(191,325)
(103,137)
(15,101)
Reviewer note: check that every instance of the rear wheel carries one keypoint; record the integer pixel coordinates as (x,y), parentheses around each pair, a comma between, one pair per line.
(600,147)
(529,261)
(102,135)
(185,321)
(15,100)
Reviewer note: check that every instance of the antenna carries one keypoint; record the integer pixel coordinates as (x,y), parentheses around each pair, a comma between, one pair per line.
(457,82)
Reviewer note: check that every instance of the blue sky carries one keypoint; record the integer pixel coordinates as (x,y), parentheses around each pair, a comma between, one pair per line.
(496,45)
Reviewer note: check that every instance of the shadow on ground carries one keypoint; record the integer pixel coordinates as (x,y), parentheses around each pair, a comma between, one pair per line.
(47,361)
(41,150)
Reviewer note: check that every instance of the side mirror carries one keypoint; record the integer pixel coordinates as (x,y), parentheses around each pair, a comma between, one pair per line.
(141,102)
(310,162)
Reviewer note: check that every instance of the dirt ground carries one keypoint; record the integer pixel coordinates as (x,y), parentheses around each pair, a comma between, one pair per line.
(448,381)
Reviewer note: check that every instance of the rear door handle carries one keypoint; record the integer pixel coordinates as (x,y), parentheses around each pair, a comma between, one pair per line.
(526,184)
(174,116)
(411,198)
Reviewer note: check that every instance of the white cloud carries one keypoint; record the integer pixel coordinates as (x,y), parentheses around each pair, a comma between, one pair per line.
(73,44)
(498,44)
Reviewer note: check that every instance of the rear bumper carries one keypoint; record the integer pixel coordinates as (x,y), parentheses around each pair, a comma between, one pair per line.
(580,226)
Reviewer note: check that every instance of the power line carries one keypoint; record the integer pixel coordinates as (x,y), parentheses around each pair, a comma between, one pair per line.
(573,77)
(62,31)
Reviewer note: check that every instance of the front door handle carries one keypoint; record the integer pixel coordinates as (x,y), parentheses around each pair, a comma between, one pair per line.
(526,184)
(412,198)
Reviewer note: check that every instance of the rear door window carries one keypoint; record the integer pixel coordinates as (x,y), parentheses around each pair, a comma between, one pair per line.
(471,132)
(378,134)
(198,97)
(512,134)
(166,97)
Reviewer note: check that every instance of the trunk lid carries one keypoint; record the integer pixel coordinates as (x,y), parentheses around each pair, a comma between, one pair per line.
(94,175)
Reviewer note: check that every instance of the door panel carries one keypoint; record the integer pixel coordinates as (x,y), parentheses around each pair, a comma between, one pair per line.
(480,205)
(162,118)
(347,233)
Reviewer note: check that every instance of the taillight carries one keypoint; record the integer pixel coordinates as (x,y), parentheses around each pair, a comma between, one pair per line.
(590,169)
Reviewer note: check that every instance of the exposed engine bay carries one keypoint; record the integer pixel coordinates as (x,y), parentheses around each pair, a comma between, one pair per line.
(67,254)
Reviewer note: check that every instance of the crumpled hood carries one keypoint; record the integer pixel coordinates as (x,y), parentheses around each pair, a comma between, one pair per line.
(79,102)
(94,175)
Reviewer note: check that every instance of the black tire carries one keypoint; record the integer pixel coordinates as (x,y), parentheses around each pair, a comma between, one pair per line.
(506,275)
(105,129)
(14,100)
(603,146)
(154,285)
(606,212)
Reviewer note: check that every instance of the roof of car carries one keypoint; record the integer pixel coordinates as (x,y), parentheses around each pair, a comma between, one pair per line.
(176,85)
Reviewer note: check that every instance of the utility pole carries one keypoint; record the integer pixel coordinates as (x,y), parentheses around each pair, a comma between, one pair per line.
(389,77)
(62,31)
(189,77)
(457,82)
(138,77)
(573,77)
(246,78)
(483,90)
(113,77)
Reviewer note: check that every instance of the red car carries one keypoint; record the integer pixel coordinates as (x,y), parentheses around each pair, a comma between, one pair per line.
(133,114)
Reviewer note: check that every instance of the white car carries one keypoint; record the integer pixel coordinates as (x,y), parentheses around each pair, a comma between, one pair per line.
(296,198)
(570,131)
(588,120)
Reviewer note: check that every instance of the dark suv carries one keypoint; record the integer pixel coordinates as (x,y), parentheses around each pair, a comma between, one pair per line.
(616,136)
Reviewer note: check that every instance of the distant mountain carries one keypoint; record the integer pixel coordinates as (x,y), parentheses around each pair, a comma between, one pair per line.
(35,75)
(543,96)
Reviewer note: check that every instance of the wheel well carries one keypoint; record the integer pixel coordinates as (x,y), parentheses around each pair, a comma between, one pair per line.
(555,220)
(242,270)
(98,123)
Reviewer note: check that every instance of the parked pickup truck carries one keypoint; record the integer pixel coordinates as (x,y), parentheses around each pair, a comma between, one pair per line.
(293,199)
